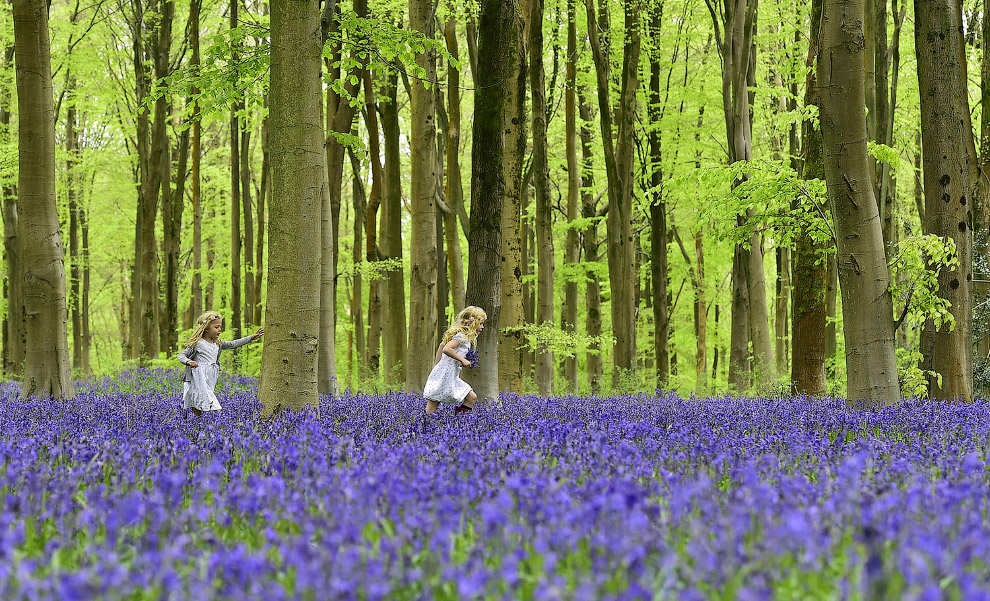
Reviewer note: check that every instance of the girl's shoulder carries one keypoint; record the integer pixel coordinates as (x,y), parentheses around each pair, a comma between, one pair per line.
(461,337)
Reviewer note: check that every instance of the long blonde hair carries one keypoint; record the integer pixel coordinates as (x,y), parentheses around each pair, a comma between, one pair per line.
(202,323)
(466,323)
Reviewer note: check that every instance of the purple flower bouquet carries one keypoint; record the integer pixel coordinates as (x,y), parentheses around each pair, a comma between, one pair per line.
(472,356)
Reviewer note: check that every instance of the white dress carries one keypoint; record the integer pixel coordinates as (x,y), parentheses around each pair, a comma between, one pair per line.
(199,393)
(444,384)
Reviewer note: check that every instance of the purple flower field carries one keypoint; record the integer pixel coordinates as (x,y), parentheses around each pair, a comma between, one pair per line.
(118,495)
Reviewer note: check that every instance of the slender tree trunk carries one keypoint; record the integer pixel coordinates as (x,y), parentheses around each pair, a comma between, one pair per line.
(541,181)
(867,311)
(262,199)
(700,316)
(619,160)
(511,354)
(658,217)
(421,347)
(86,335)
(357,302)
(299,198)
(46,363)
(72,181)
(808,330)
(13,323)
(172,220)
(394,333)
(945,130)
(455,191)
(496,44)
(135,332)
(589,237)
(573,248)
(196,307)
(235,196)
(248,209)
(371,227)
(159,189)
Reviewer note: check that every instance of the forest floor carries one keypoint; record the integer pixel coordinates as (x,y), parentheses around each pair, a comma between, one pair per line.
(120,495)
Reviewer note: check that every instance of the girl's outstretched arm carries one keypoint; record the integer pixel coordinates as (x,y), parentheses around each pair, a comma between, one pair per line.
(242,341)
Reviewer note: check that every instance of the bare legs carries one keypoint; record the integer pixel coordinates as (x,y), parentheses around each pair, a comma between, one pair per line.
(432,406)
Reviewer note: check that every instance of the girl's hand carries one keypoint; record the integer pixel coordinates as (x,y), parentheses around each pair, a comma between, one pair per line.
(258,334)
(465,362)
(192,364)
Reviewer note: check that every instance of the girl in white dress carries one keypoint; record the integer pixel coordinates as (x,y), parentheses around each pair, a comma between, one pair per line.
(202,360)
(444,384)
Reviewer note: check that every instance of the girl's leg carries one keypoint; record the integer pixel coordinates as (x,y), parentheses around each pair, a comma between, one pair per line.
(470,399)
(196,411)
(431,407)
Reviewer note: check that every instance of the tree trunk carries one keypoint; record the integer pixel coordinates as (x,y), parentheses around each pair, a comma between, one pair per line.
(46,363)
(619,171)
(867,311)
(359,203)
(72,152)
(511,354)
(262,199)
(572,249)
(945,130)
(421,347)
(135,332)
(172,228)
(658,217)
(589,238)
(739,366)
(455,190)
(196,307)
(700,316)
(248,209)
(808,332)
(394,333)
(86,335)
(298,201)
(370,221)
(13,323)
(160,174)
(235,197)
(493,84)
(541,183)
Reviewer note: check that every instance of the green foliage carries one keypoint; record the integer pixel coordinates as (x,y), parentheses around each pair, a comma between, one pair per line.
(551,338)
(914,282)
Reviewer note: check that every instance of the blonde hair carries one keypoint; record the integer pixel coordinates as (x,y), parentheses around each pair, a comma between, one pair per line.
(466,323)
(202,323)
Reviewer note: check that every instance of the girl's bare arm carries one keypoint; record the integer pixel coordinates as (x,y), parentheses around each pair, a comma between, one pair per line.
(449,349)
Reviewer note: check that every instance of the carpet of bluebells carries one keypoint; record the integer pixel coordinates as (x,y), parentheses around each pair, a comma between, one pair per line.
(120,495)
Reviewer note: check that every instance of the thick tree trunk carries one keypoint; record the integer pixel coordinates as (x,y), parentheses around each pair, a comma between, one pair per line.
(808,339)
(496,44)
(454,190)
(46,364)
(541,184)
(572,249)
(292,313)
(619,160)
(589,238)
(421,346)
(739,334)
(159,190)
(867,311)
(658,218)
(945,131)
(135,331)
(394,333)
(511,355)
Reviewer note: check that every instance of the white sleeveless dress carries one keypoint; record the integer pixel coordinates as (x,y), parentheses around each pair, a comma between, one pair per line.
(199,393)
(444,384)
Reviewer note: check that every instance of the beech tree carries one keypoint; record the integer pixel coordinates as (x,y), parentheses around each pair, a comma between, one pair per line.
(42,270)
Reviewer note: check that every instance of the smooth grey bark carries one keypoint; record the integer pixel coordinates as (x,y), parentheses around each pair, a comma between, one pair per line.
(298,201)
(572,249)
(867,307)
(46,362)
(394,332)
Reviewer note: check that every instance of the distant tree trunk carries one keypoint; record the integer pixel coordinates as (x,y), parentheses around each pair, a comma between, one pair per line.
(512,318)
(262,199)
(172,228)
(394,332)
(421,347)
(72,152)
(235,196)
(46,364)
(945,131)
(541,182)
(86,335)
(299,195)
(780,318)
(658,216)
(573,248)
(135,332)
(371,227)
(13,323)
(160,172)
(808,332)
(248,209)
(455,190)
(196,306)
(589,238)
(496,45)
(867,308)
(357,302)
(619,160)
(211,256)
(700,316)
